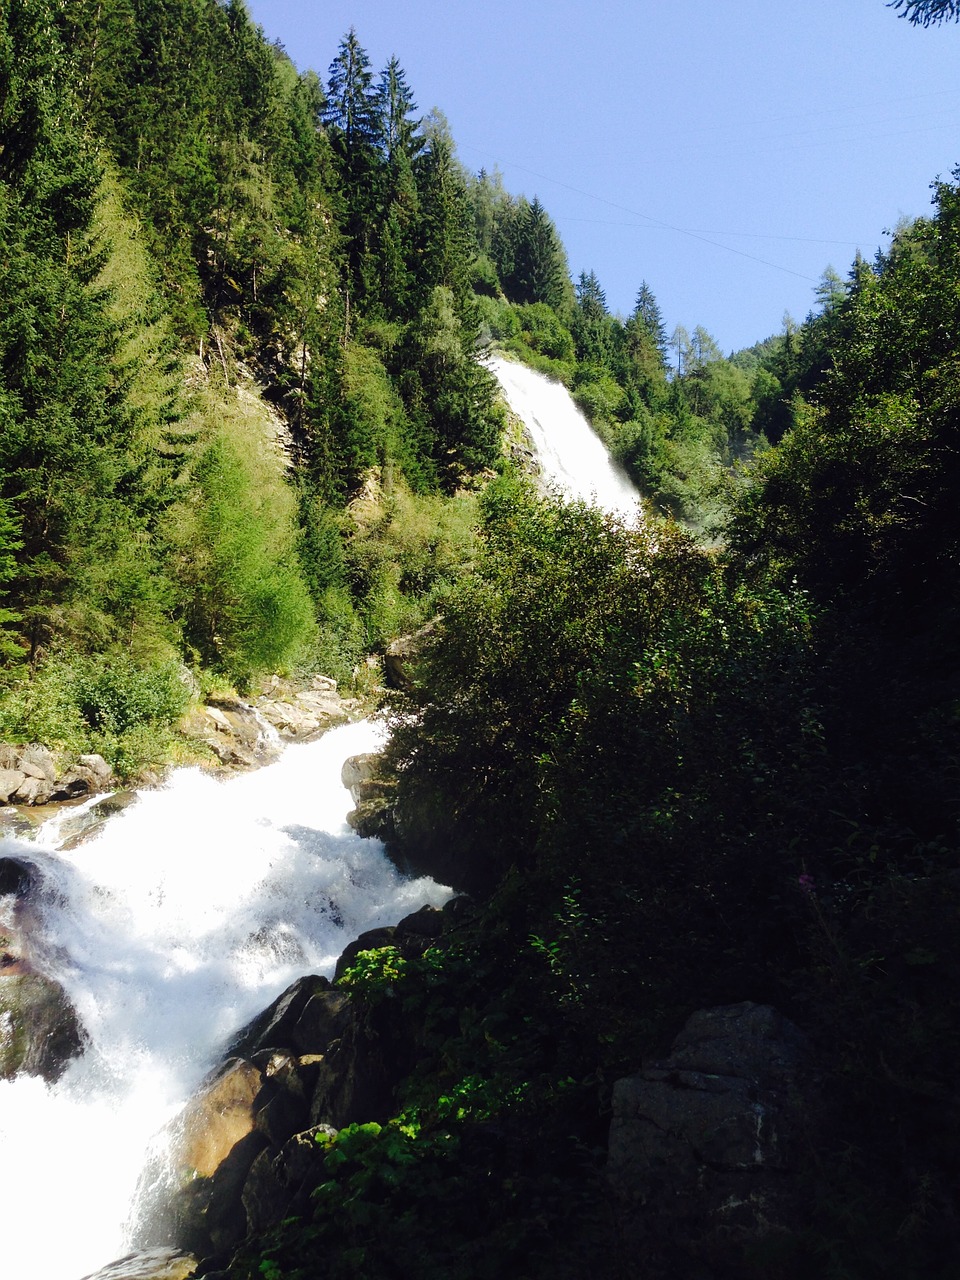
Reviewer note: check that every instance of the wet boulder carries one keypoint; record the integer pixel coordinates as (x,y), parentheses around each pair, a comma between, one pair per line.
(150,1264)
(17,877)
(39,1029)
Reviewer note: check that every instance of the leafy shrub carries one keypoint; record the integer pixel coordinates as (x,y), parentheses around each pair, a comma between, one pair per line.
(111,705)
(114,695)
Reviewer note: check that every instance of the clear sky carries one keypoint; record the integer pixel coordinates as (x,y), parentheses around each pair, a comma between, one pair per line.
(726,151)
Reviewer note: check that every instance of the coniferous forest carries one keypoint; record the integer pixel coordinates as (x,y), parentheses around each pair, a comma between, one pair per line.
(244,430)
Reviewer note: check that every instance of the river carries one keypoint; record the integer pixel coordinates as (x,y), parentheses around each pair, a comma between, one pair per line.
(191,911)
(188,914)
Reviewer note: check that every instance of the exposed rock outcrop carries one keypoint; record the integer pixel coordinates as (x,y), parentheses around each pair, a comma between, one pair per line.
(373,791)
(300,714)
(33,775)
(245,1150)
(705,1147)
(234,732)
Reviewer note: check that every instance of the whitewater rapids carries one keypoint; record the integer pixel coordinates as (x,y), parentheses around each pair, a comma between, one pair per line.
(189,914)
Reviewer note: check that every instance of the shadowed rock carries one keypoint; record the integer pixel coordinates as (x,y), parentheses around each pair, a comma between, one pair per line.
(705,1147)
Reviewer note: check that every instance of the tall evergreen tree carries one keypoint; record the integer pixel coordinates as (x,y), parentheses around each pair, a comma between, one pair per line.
(647,311)
(540,264)
(395,103)
(591,326)
(351,112)
(447,246)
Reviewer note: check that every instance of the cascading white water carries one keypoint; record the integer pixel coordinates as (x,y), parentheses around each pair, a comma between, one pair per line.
(188,915)
(573,459)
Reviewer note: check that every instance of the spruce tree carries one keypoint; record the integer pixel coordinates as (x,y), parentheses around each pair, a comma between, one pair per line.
(395,103)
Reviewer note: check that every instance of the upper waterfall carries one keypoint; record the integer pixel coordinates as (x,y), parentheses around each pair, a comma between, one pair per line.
(574,459)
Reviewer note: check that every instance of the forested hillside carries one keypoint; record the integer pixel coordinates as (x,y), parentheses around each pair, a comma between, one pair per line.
(713,759)
(231,298)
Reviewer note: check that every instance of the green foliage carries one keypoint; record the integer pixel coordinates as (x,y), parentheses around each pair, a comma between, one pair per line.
(246,606)
(402,558)
(375,975)
(9,545)
(113,705)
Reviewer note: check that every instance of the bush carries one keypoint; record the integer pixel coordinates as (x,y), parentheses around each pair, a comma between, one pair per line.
(111,705)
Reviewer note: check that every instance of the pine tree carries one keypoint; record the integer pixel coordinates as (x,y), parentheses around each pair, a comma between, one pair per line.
(648,313)
(591,325)
(540,265)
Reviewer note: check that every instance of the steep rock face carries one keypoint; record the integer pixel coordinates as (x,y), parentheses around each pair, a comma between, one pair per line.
(705,1147)
(39,1029)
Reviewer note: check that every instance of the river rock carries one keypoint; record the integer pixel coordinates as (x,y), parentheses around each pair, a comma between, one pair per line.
(301,714)
(87,775)
(17,877)
(33,775)
(149,1264)
(305,1019)
(705,1146)
(254,1103)
(234,731)
(245,1147)
(82,827)
(39,1030)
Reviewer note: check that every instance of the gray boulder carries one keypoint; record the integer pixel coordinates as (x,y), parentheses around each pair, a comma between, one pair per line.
(705,1147)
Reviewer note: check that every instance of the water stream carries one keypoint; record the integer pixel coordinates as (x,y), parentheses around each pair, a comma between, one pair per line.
(192,911)
(188,914)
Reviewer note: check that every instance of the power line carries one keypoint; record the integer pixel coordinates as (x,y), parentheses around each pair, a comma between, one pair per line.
(656,222)
(711,231)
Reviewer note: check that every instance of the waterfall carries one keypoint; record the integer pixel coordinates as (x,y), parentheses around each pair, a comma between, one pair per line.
(189,914)
(573,459)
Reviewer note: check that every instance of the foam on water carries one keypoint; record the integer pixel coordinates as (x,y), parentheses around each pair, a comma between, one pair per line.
(191,911)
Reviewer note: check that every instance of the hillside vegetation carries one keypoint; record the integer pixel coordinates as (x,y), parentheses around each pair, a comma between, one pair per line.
(243,429)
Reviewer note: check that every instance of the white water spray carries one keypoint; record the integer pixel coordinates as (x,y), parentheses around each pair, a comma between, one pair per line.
(188,915)
(573,458)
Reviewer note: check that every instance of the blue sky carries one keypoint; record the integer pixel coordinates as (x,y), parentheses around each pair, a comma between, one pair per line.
(726,152)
